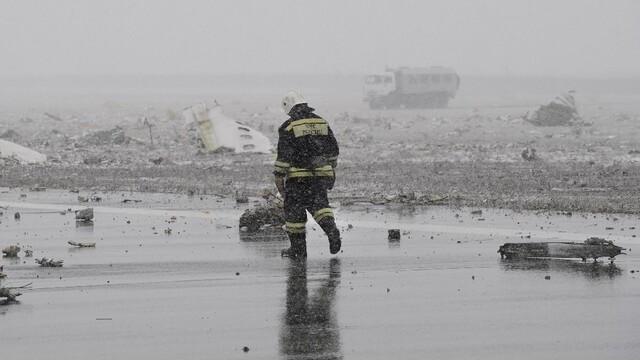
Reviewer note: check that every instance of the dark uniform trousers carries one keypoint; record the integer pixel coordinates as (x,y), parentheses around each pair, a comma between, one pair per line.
(308,194)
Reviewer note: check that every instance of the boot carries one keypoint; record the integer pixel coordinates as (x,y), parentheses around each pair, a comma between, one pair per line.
(329,227)
(335,243)
(298,248)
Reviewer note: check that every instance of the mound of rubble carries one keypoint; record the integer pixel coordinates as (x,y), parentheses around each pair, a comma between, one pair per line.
(560,112)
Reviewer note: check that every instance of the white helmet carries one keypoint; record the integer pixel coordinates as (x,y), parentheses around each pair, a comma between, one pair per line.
(291,99)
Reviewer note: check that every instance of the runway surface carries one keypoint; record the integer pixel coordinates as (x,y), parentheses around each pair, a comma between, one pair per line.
(172,277)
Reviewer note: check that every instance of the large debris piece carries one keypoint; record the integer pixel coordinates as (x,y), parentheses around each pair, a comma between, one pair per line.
(20,154)
(592,248)
(561,111)
(84,214)
(218,133)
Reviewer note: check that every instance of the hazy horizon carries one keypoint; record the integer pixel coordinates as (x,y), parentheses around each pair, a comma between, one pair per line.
(512,38)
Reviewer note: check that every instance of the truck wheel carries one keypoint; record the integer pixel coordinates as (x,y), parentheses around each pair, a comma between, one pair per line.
(375,104)
(442,101)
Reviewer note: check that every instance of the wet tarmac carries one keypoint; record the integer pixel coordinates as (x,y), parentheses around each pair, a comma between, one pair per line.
(172,277)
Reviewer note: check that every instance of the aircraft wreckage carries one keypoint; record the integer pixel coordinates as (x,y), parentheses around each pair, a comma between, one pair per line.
(219,133)
(592,248)
(20,154)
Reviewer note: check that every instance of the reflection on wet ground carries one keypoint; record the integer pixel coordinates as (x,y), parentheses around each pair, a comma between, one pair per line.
(588,269)
(309,327)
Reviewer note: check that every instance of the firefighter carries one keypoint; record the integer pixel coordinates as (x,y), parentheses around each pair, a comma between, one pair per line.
(304,170)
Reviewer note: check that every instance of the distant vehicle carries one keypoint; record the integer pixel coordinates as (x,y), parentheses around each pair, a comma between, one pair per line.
(416,87)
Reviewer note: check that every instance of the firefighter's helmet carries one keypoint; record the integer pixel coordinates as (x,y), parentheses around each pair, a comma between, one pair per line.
(291,99)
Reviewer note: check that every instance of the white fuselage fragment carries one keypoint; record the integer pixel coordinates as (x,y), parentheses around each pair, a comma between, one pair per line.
(20,153)
(218,131)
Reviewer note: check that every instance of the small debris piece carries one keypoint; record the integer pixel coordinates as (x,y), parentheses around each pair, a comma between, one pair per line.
(529,154)
(241,198)
(245,349)
(44,262)
(16,216)
(82,244)
(52,117)
(548,277)
(476,212)
(3,275)
(84,214)
(28,253)
(130,200)
(11,251)
(394,234)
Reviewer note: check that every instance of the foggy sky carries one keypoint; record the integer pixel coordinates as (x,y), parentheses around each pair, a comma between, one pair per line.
(576,38)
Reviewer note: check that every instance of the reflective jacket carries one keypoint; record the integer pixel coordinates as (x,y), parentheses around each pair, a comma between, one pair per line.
(306,145)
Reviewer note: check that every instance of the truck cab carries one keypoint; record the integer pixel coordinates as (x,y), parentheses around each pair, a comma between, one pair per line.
(379,85)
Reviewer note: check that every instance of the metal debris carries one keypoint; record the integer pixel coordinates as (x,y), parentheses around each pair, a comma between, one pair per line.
(7,296)
(82,244)
(44,262)
(592,248)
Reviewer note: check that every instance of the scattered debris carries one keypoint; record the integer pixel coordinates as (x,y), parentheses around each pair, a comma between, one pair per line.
(82,244)
(11,251)
(592,248)
(84,214)
(44,262)
(113,136)
(218,133)
(10,135)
